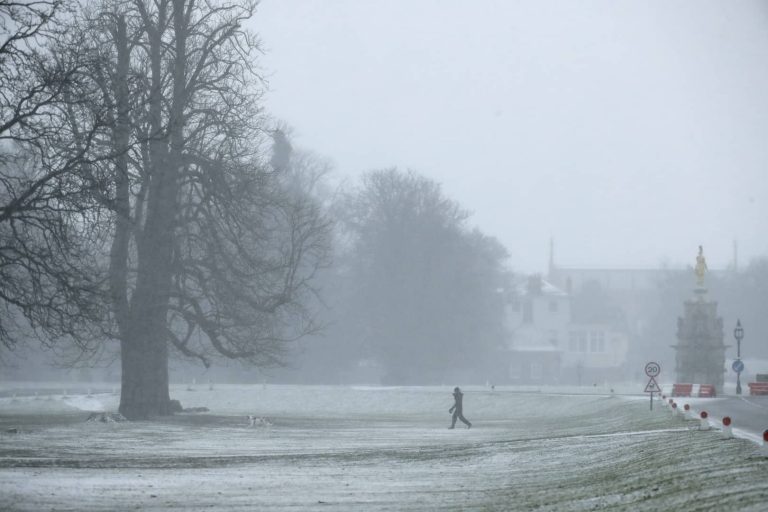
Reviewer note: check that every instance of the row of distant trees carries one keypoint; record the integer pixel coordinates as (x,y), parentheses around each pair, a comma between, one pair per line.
(149,209)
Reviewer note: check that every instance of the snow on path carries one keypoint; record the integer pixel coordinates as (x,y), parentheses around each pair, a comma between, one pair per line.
(379,449)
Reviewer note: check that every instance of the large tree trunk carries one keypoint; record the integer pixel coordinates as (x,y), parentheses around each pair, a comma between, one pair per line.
(144,358)
(144,343)
(144,355)
(144,346)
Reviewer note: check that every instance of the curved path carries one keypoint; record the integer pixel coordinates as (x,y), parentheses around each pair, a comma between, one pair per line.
(749,414)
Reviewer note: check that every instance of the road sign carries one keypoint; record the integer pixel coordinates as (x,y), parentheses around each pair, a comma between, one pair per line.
(738,366)
(652,386)
(652,369)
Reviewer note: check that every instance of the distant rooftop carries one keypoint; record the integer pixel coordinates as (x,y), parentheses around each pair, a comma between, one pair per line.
(537,285)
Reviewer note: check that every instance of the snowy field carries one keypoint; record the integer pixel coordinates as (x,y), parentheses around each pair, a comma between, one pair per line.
(358,448)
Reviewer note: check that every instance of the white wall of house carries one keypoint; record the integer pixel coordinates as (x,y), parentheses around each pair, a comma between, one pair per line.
(538,320)
(595,346)
(539,327)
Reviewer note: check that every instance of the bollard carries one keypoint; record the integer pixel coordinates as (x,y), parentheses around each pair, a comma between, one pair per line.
(674,409)
(764,448)
(727,429)
(687,414)
(704,421)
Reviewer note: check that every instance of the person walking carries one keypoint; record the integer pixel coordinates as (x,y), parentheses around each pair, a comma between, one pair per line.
(457,408)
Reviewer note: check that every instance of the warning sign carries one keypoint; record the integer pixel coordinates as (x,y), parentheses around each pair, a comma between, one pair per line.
(652,386)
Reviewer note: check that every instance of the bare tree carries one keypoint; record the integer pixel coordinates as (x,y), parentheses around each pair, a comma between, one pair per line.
(212,250)
(47,274)
(28,88)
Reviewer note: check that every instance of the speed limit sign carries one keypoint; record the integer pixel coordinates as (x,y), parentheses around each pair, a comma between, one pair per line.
(652,369)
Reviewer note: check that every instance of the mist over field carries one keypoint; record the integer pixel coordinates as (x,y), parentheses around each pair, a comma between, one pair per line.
(269,244)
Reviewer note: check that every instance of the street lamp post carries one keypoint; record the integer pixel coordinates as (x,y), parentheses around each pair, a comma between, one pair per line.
(738,333)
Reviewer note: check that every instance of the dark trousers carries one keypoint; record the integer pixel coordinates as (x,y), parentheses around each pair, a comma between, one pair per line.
(457,414)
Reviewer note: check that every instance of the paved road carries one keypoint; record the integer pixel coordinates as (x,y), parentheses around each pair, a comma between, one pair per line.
(748,413)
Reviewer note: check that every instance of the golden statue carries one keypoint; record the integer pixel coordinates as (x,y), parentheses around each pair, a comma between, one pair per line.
(701,267)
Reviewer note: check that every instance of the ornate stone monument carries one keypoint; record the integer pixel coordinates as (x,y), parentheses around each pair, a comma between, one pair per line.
(700,352)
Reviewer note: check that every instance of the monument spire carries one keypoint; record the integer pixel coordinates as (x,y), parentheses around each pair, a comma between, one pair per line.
(701,267)
(700,351)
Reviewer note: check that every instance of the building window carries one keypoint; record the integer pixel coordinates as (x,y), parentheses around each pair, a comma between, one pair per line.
(537,371)
(593,341)
(582,341)
(553,306)
(553,337)
(528,312)
(573,342)
(601,341)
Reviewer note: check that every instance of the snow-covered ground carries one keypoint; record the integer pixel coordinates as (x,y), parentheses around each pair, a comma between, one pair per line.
(367,448)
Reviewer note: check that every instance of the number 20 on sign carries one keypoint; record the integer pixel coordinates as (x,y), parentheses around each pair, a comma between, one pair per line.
(652,370)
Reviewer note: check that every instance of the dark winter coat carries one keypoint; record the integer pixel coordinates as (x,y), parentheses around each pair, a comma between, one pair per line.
(458,396)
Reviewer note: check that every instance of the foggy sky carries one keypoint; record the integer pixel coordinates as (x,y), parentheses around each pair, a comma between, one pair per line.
(630,132)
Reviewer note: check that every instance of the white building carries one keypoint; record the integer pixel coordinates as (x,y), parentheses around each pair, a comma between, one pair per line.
(597,353)
(547,346)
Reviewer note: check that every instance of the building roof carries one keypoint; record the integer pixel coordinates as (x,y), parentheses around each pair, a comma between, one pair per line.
(540,287)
